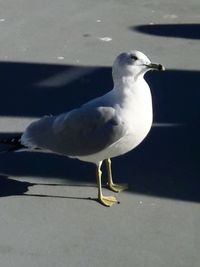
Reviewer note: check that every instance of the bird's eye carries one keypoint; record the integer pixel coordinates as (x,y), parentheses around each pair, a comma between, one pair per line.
(133,57)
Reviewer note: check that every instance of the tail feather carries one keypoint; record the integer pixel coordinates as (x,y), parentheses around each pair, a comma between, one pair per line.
(12,143)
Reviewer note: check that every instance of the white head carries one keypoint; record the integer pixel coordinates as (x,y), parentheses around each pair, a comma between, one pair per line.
(133,64)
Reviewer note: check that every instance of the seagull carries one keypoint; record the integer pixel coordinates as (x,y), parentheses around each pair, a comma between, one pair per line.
(103,128)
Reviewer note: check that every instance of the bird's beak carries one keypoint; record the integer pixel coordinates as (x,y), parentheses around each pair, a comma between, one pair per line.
(155,66)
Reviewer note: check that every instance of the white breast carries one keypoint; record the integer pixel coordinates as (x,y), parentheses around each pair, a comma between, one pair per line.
(136,112)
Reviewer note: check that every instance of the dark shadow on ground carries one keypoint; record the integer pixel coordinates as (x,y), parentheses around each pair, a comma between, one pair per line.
(165,164)
(33,90)
(46,165)
(10,187)
(187,31)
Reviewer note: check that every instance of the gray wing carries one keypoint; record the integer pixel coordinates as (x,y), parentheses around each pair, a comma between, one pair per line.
(80,132)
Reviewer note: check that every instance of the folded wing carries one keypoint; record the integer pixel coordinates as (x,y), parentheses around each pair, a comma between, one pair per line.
(81,132)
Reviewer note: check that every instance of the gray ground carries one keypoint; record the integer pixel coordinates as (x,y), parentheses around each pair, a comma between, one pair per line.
(53,58)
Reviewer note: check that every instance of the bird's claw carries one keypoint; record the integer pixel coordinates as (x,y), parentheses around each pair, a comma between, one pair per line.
(117,187)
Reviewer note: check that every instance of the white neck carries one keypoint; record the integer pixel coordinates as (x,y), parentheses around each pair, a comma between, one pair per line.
(133,93)
(127,83)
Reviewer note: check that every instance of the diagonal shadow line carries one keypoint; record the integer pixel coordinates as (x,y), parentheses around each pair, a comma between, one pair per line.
(67,197)
(11,187)
(68,185)
(54,196)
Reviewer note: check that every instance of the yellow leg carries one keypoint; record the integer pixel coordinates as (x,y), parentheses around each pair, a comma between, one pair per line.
(105,200)
(111,185)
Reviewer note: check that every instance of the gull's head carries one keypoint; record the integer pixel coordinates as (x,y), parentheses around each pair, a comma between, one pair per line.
(133,64)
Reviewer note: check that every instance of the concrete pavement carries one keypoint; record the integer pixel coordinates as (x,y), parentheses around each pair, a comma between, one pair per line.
(52,54)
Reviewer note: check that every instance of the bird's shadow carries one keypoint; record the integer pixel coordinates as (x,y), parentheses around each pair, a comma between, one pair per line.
(12,187)
(165,164)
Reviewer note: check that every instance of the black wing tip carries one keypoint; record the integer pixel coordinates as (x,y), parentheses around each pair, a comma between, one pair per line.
(13,143)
